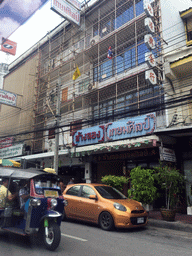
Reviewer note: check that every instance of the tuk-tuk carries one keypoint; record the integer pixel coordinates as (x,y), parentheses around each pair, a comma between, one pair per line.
(42,211)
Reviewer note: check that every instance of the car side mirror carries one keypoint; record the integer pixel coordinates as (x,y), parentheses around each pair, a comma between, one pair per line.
(94,197)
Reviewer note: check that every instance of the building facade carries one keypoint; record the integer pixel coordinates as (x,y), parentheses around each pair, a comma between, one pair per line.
(119,111)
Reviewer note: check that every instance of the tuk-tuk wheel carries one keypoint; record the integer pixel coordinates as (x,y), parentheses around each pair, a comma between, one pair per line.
(54,236)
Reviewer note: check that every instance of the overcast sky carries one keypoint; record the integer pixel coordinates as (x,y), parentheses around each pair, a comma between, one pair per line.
(32,30)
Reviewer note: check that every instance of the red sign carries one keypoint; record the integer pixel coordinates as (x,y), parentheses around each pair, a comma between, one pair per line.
(8,46)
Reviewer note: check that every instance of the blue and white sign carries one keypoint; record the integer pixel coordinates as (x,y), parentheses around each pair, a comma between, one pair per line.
(122,129)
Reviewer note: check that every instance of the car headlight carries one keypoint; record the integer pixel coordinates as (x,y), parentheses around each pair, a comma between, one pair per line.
(35,202)
(53,203)
(120,207)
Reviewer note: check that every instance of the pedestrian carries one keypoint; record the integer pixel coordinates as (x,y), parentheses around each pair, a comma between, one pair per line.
(62,186)
(71,181)
(24,194)
(5,195)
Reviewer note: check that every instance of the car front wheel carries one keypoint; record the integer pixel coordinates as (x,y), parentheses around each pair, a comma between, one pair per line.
(106,221)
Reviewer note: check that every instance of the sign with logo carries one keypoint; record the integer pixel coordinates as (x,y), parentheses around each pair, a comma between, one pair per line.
(167,154)
(4,143)
(8,98)
(148,9)
(11,151)
(8,46)
(66,10)
(149,25)
(149,41)
(150,59)
(151,77)
(122,129)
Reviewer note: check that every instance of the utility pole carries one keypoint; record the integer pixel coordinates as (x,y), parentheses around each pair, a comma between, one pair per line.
(57,119)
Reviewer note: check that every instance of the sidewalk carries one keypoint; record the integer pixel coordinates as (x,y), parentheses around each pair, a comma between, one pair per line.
(182,222)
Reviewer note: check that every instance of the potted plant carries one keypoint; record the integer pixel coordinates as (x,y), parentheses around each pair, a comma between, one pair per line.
(142,186)
(114,181)
(172,182)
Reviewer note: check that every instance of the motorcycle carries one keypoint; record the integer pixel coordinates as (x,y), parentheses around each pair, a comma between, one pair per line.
(43,209)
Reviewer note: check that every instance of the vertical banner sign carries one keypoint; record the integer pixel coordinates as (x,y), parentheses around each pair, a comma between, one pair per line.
(150,75)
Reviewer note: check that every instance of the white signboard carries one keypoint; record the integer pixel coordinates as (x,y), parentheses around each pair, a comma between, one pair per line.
(167,154)
(150,59)
(151,77)
(149,41)
(148,10)
(11,151)
(8,98)
(149,25)
(66,10)
(75,3)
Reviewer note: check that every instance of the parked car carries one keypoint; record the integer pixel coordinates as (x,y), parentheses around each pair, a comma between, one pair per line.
(104,205)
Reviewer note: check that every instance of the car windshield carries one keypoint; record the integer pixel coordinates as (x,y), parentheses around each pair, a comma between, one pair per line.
(110,192)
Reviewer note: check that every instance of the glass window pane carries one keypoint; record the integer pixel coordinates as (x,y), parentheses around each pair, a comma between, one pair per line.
(139,7)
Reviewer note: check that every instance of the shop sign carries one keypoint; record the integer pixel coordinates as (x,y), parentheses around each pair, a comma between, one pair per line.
(167,154)
(66,10)
(151,77)
(4,143)
(130,154)
(149,41)
(8,98)
(150,59)
(149,25)
(148,9)
(75,3)
(11,151)
(122,129)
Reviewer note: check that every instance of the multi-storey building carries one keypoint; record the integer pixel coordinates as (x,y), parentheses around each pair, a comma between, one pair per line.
(114,116)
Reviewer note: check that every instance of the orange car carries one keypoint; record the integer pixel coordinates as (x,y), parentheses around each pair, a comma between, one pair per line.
(103,205)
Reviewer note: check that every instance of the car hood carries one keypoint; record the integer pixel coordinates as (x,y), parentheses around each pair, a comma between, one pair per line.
(129,203)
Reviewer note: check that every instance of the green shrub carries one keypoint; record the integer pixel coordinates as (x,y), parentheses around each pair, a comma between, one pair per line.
(143,188)
(115,181)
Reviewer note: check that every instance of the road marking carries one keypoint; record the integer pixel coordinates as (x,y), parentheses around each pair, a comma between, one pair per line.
(74,237)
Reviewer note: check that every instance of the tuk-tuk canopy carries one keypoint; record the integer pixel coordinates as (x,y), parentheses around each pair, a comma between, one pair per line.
(23,173)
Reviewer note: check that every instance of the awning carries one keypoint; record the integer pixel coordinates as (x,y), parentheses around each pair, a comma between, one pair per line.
(128,144)
(9,163)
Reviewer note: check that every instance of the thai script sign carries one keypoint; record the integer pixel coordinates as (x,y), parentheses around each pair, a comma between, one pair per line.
(151,77)
(149,25)
(148,9)
(167,154)
(11,151)
(8,98)
(150,59)
(66,10)
(149,41)
(4,143)
(122,129)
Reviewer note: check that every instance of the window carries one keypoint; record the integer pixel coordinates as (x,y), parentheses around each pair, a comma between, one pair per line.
(189,29)
(73,191)
(139,7)
(83,85)
(130,60)
(87,191)
(142,49)
(51,134)
(106,70)
(124,14)
(64,94)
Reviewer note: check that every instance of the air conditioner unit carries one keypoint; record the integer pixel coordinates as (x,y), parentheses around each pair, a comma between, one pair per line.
(94,40)
(92,86)
(50,146)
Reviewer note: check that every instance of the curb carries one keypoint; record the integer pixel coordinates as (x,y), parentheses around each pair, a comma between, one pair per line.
(175,225)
